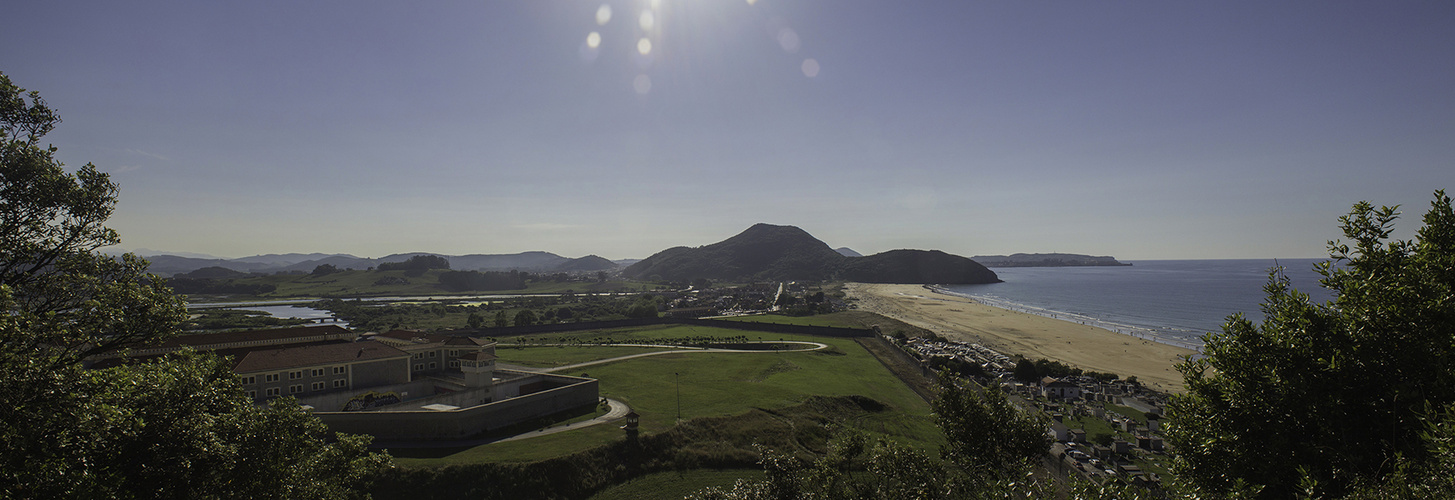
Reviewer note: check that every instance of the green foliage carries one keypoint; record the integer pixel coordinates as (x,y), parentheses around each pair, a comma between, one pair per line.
(987,436)
(418,263)
(460,281)
(195,286)
(1325,396)
(524,318)
(324,270)
(176,427)
(991,447)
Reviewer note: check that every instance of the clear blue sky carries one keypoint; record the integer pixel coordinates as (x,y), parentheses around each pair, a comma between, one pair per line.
(1140,129)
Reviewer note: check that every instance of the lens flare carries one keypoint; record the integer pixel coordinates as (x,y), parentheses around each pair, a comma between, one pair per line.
(603,14)
(642,84)
(644,46)
(647,20)
(788,39)
(810,68)
(593,39)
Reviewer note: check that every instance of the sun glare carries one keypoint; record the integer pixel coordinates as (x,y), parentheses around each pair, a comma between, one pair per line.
(647,20)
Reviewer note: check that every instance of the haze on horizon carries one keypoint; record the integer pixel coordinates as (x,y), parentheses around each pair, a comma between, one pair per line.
(1143,130)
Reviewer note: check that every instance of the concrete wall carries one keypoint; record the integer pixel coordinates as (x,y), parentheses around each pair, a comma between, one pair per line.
(465,422)
(382,372)
(334,401)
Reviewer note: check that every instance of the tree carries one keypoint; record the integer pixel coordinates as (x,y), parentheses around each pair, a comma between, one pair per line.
(500,321)
(1025,371)
(987,436)
(525,318)
(475,320)
(325,269)
(176,427)
(1325,396)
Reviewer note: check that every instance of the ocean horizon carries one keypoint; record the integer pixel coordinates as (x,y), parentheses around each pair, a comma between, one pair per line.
(1170,301)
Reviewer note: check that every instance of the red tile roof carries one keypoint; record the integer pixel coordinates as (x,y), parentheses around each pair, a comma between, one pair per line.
(315,355)
(478,356)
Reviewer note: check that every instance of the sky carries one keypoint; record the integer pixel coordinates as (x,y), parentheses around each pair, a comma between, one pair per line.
(1138,129)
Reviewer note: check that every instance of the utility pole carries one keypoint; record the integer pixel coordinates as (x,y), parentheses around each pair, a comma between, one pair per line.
(679,395)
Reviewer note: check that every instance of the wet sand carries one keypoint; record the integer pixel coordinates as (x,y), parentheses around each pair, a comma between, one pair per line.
(1016,333)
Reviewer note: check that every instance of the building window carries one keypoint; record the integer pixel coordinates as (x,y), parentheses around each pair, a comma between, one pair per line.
(418,355)
(431,365)
(295,389)
(338,370)
(295,375)
(318,372)
(431,354)
(271,377)
(249,380)
(454,352)
(454,364)
(340,383)
(318,386)
(272,391)
(252,394)
(418,367)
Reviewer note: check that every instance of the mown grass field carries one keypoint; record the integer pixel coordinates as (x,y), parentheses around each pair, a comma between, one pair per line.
(711,385)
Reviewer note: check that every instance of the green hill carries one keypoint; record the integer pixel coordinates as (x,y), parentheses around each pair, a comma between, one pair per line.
(766,252)
(916,266)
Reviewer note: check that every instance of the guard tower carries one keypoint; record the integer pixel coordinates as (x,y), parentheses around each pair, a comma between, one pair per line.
(478,368)
(631,425)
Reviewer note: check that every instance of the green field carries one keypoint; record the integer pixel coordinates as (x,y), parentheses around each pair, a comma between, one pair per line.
(711,385)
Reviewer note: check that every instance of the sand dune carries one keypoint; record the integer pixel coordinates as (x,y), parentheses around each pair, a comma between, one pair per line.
(1012,333)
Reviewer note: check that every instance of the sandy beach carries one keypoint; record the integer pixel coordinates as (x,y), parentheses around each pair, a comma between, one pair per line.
(1029,335)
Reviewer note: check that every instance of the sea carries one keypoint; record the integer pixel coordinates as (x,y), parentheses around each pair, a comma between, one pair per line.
(1170,301)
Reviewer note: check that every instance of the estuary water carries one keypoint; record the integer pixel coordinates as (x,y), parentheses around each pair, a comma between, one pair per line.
(1170,301)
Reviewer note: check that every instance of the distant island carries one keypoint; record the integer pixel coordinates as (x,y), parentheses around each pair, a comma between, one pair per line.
(1046,260)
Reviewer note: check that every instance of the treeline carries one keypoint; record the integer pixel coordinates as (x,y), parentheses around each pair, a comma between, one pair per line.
(218,287)
(1032,371)
(464,281)
(416,265)
(515,311)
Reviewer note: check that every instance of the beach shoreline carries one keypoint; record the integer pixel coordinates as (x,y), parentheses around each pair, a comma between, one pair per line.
(1033,336)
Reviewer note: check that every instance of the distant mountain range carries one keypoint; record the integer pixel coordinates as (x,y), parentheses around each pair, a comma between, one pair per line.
(762,252)
(766,252)
(1046,260)
(167,265)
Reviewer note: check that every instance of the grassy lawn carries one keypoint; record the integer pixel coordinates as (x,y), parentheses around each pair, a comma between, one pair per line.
(550,356)
(675,485)
(840,320)
(712,385)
